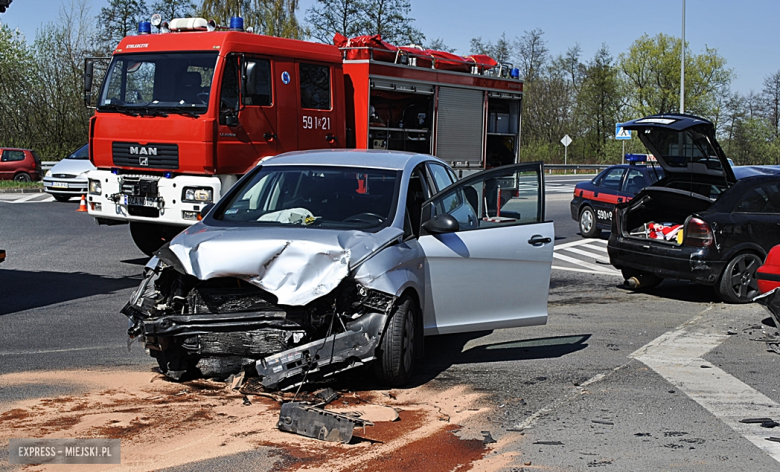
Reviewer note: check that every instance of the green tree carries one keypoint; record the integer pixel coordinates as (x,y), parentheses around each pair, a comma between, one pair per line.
(269,17)
(599,102)
(17,70)
(501,51)
(118,19)
(439,45)
(771,96)
(170,9)
(391,20)
(652,67)
(328,17)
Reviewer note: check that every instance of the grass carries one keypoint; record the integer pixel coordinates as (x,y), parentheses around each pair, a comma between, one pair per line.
(7,184)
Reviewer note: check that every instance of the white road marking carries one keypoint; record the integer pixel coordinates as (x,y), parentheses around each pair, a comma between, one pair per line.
(26,198)
(593,267)
(602,257)
(677,357)
(580,242)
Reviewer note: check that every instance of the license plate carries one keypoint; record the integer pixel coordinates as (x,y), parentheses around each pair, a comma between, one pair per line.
(59,185)
(140,201)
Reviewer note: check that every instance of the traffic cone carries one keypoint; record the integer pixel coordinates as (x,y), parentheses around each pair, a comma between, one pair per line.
(83,204)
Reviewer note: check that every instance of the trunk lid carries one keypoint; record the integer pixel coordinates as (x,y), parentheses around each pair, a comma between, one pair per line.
(683,145)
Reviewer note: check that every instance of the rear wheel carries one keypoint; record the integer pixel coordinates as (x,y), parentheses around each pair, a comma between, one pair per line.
(22,177)
(588,227)
(395,355)
(738,282)
(151,237)
(61,198)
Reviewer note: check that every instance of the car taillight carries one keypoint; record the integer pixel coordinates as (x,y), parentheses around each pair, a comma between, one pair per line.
(697,233)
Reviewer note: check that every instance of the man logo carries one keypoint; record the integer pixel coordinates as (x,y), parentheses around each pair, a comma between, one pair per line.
(143,161)
(143,151)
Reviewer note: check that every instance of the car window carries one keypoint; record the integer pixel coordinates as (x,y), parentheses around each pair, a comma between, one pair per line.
(760,199)
(635,181)
(612,178)
(499,198)
(314,196)
(441,177)
(262,72)
(416,194)
(12,156)
(80,153)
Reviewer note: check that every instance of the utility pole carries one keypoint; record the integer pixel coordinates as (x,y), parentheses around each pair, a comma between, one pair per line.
(682,63)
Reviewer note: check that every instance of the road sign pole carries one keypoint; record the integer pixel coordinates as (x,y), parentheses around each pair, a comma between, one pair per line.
(623,156)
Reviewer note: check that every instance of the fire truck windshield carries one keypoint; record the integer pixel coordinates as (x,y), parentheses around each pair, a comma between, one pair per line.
(157,83)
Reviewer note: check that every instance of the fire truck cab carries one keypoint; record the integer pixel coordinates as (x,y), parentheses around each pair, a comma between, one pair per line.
(181,116)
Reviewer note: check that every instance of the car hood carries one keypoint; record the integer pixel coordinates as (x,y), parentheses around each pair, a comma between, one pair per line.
(296,264)
(72,166)
(683,144)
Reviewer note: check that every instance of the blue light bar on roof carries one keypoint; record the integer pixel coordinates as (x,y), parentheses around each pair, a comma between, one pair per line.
(144,27)
(237,23)
(636,157)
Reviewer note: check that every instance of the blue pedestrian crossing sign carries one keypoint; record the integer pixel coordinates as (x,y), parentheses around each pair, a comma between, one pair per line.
(621,133)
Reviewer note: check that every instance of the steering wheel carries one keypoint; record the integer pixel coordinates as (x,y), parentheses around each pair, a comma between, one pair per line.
(361,217)
(203,97)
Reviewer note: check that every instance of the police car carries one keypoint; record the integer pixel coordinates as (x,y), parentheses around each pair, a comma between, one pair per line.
(594,200)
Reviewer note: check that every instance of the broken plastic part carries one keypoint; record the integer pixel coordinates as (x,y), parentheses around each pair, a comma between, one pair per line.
(317,423)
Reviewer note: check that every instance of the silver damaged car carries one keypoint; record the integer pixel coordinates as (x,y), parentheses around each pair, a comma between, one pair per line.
(321,261)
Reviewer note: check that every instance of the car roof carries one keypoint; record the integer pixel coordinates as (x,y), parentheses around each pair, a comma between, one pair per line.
(392,160)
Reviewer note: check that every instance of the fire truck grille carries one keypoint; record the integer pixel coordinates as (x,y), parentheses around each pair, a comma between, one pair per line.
(152,155)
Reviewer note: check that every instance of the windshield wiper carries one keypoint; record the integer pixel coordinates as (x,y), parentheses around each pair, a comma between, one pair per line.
(185,113)
(121,109)
(148,111)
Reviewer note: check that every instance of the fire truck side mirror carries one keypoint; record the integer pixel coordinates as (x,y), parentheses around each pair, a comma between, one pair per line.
(89,67)
(250,78)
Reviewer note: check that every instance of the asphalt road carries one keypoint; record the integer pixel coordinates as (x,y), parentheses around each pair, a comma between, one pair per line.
(603,385)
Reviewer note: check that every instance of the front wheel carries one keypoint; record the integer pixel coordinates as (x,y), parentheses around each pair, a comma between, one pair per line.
(395,357)
(588,227)
(738,282)
(151,237)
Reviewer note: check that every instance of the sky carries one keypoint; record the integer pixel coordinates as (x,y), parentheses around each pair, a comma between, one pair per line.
(745,33)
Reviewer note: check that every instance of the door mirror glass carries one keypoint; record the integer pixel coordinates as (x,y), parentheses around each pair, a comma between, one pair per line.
(249,79)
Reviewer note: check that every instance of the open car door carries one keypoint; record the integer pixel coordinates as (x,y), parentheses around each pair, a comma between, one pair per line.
(491,269)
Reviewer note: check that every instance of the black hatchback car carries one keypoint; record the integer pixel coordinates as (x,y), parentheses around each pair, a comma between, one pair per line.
(699,223)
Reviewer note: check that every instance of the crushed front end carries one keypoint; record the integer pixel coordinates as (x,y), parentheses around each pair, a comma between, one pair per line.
(224,325)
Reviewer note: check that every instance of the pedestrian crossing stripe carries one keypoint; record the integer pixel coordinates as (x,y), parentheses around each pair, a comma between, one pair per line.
(593,257)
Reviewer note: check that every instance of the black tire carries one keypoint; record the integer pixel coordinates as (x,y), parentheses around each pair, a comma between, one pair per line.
(151,237)
(397,350)
(738,282)
(22,177)
(61,198)
(587,223)
(642,280)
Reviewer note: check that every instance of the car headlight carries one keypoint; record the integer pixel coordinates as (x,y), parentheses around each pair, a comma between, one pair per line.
(48,173)
(94,187)
(197,194)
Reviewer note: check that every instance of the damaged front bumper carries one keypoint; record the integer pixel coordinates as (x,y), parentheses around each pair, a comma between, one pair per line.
(223,326)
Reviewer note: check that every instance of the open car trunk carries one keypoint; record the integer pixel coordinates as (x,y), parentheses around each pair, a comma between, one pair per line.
(659,213)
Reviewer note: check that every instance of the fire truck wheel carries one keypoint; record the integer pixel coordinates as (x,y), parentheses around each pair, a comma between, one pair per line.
(150,237)
(395,355)
(588,227)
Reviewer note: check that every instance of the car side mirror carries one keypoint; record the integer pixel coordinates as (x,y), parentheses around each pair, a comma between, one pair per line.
(440,224)
(205,210)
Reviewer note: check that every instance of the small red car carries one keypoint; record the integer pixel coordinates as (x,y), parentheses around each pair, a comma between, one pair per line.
(21,165)
(768,280)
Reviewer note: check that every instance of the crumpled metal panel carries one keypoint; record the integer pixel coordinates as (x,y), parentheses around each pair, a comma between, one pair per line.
(297,265)
(318,423)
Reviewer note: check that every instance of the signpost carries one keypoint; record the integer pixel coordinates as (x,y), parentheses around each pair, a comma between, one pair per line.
(622,135)
(565,141)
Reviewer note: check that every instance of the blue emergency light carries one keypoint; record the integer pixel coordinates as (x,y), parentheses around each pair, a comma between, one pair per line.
(635,158)
(144,27)
(236,23)
(168,175)
(515,73)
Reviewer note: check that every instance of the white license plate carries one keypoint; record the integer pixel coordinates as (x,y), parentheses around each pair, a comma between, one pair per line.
(140,201)
(59,185)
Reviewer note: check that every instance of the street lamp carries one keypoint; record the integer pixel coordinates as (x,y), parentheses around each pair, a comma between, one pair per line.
(682,64)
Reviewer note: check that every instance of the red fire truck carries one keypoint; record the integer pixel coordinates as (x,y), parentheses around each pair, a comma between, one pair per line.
(182,115)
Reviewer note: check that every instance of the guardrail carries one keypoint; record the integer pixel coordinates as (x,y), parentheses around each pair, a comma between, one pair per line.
(592,168)
(47,165)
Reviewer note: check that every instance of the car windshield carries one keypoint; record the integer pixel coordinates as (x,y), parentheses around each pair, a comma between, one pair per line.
(680,148)
(80,153)
(314,196)
(158,82)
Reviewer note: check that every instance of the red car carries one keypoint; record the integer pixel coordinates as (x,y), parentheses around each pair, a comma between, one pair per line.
(768,280)
(21,165)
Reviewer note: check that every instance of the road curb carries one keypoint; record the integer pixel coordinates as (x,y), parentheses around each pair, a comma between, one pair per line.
(22,190)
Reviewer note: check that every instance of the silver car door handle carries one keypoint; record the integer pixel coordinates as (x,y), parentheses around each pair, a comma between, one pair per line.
(538,240)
